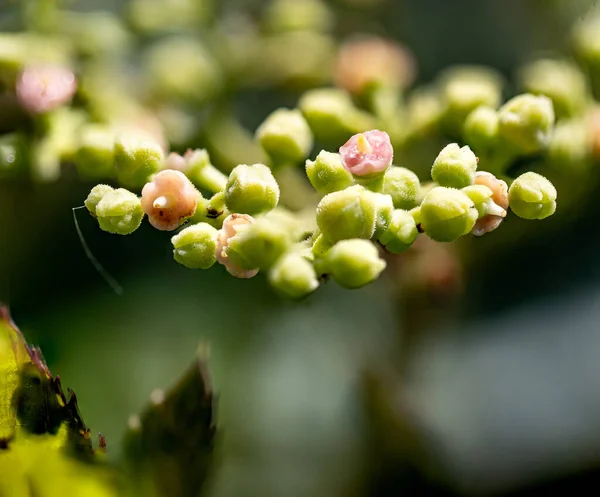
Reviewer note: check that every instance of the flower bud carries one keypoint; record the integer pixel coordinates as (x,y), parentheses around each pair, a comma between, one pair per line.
(349,213)
(368,62)
(481,129)
(285,136)
(119,212)
(354,263)
(424,110)
(327,173)
(97,194)
(490,221)
(232,226)
(195,246)
(463,89)
(251,189)
(181,68)
(44,88)
(293,276)
(532,196)
(169,199)
(95,157)
(196,165)
(384,207)
(415,212)
(367,154)
(137,158)
(332,116)
(403,186)
(481,196)
(447,214)
(571,145)
(526,122)
(291,15)
(401,232)
(454,167)
(259,244)
(561,81)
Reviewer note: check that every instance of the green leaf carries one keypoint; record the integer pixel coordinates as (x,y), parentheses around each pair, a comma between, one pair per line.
(169,446)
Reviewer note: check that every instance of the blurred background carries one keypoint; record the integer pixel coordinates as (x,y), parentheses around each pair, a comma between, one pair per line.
(473,371)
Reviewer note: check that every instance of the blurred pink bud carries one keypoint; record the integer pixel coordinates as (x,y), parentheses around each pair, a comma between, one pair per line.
(175,161)
(368,61)
(168,199)
(499,188)
(231,225)
(43,88)
(367,153)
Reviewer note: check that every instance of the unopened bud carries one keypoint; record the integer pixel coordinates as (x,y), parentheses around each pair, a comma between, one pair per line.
(327,173)
(251,189)
(195,246)
(354,263)
(532,196)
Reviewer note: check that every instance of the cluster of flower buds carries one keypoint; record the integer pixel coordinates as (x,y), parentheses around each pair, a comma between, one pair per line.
(367,206)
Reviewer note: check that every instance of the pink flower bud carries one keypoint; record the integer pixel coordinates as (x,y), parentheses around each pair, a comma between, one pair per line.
(499,188)
(43,88)
(231,225)
(372,61)
(176,161)
(168,199)
(367,153)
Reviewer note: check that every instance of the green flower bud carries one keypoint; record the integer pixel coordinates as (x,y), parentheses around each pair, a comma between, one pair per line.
(291,15)
(586,39)
(258,245)
(349,213)
(97,194)
(285,136)
(481,196)
(454,167)
(416,215)
(447,214)
(95,157)
(251,189)
(424,110)
(293,276)
(532,196)
(401,233)
(196,165)
(195,246)
(327,174)
(526,122)
(354,263)
(481,129)
(137,158)
(332,116)
(385,208)
(463,89)
(119,212)
(181,68)
(403,186)
(571,145)
(560,80)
